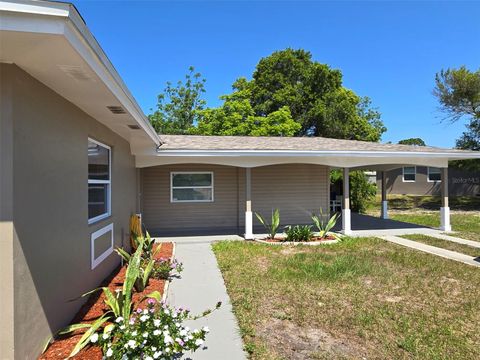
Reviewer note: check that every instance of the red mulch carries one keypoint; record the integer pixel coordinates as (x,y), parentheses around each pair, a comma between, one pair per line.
(316,238)
(95,307)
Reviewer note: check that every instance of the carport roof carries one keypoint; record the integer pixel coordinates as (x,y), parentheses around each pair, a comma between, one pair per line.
(301,144)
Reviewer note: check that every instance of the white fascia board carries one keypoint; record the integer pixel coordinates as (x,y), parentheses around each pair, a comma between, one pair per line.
(64,19)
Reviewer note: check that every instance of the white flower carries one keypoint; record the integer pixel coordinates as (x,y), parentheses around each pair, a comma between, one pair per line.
(198,342)
(174,315)
(183,332)
(132,344)
(156,322)
(145,334)
(189,337)
(134,333)
(145,311)
(206,329)
(168,339)
(105,336)
(148,358)
(94,338)
(122,327)
(125,356)
(167,349)
(156,333)
(156,354)
(195,331)
(144,318)
(109,352)
(119,319)
(166,311)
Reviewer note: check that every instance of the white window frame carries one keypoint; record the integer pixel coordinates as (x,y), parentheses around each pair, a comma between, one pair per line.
(103,182)
(96,261)
(428,175)
(403,173)
(173,173)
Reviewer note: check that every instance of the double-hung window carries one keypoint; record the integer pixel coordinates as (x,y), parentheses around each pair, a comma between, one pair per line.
(434,174)
(409,173)
(99,181)
(191,187)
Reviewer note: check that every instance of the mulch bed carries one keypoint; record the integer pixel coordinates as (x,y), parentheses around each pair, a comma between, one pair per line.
(313,239)
(95,307)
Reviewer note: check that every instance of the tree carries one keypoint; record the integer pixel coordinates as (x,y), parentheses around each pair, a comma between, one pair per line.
(236,117)
(412,141)
(458,91)
(315,96)
(361,190)
(178,106)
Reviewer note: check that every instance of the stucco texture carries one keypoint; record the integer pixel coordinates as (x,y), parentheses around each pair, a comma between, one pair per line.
(51,246)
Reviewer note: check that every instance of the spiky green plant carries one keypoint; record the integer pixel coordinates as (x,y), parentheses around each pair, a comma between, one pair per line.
(323,225)
(271,228)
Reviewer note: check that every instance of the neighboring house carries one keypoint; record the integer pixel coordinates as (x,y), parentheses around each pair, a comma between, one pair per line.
(424,180)
(78,158)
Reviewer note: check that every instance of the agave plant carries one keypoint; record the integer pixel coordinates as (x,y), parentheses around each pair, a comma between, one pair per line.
(271,228)
(119,303)
(323,225)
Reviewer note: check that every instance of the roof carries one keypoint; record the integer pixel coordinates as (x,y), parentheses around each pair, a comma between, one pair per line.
(303,144)
(68,59)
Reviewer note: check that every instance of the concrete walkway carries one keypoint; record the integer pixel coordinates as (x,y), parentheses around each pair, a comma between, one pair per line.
(200,287)
(458,240)
(452,255)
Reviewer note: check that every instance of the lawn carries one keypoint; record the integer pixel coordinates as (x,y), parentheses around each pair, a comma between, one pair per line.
(362,298)
(424,210)
(444,244)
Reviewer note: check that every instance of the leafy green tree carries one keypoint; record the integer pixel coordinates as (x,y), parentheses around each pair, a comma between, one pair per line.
(236,117)
(361,190)
(315,96)
(178,106)
(412,141)
(458,91)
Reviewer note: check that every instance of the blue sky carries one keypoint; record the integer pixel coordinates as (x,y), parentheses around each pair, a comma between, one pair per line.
(389,51)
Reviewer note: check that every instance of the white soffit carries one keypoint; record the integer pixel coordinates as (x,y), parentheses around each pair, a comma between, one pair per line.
(51,42)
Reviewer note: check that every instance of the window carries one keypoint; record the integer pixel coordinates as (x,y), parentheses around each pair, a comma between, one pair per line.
(409,173)
(99,181)
(101,245)
(434,174)
(191,187)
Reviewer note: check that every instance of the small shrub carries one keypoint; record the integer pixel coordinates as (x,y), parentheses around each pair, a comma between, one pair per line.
(163,268)
(271,228)
(299,233)
(156,332)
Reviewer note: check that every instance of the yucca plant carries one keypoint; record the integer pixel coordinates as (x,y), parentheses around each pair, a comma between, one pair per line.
(323,225)
(271,228)
(119,304)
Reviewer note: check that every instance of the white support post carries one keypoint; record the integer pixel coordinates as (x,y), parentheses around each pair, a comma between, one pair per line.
(384,196)
(248,205)
(346,214)
(445,210)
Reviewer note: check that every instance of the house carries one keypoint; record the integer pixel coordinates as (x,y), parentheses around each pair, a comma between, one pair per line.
(426,180)
(78,158)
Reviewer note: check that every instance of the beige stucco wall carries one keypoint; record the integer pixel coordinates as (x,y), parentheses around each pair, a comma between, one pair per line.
(296,189)
(52,248)
(6,217)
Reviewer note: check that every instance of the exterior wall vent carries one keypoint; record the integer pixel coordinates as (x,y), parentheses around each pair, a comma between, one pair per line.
(116,109)
(134,127)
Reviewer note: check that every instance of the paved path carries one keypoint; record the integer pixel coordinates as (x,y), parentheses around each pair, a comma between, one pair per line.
(458,240)
(452,255)
(200,287)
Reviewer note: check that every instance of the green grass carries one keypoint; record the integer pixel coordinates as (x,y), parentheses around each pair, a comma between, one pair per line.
(444,244)
(467,225)
(359,298)
(433,203)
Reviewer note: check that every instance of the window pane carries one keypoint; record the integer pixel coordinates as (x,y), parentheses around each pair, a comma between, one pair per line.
(409,177)
(409,170)
(193,194)
(98,162)
(97,200)
(434,174)
(192,180)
